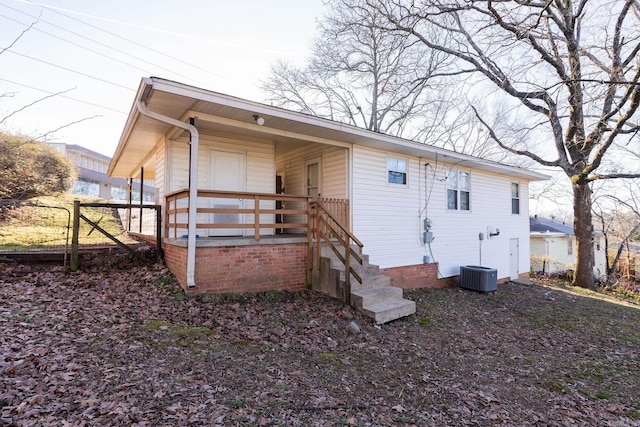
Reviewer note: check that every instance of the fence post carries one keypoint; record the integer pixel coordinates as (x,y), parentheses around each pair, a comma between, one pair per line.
(74,237)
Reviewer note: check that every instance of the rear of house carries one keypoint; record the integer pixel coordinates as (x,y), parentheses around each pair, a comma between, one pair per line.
(241,182)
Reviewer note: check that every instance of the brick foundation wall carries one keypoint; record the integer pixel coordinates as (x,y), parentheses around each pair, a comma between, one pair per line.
(426,276)
(237,269)
(414,276)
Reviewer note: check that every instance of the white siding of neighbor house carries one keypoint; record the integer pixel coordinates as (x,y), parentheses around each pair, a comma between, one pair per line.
(259,168)
(388,218)
(554,249)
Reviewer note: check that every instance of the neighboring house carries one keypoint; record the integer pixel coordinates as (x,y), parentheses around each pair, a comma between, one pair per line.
(264,175)
(93,179)
(553,247)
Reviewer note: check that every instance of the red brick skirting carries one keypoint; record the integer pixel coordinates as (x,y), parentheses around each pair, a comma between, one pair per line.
(237,269)
(415,276)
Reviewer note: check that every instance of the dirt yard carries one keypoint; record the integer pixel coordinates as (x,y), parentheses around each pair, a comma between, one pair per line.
(112,347)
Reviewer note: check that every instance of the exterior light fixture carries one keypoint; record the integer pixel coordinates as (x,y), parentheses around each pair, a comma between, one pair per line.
(259,120)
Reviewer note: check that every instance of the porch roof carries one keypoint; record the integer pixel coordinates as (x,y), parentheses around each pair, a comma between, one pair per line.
(218,112)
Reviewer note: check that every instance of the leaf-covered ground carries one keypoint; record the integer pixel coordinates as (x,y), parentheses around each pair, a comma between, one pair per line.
(125,347)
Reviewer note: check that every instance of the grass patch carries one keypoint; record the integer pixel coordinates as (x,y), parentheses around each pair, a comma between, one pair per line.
(182,336)
(46,222)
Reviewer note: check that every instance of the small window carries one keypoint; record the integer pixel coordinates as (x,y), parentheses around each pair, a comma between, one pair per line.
(458,190)
(515,198)
(396,171)
(570,246)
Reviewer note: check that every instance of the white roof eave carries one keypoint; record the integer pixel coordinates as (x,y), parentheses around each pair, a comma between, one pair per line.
(310,123)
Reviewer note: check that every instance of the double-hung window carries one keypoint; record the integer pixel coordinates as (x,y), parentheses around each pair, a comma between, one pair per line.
(515,198)
(396,171)
(458,190)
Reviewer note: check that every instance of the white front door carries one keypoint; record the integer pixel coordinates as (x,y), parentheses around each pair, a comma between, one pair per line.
(514,249)
(313,177)
(226,172)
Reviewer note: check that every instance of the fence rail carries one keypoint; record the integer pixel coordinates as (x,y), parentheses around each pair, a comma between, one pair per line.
(34,228)
(42,230)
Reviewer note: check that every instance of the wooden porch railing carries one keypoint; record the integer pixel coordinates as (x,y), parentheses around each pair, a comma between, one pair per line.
(327,230)
(325,221)
(257,217)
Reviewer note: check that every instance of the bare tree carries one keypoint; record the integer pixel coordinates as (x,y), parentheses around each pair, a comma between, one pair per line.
(571,66)
(618,210)
(363,76)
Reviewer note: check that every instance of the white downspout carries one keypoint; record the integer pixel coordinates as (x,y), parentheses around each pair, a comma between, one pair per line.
(193,187)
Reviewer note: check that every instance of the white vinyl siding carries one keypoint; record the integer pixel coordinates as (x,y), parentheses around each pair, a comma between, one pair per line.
(259,175)
(160,172)
(390,222)
(554,249)
(334,172)
(333,175)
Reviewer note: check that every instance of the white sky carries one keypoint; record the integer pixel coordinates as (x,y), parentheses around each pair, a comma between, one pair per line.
(106,47)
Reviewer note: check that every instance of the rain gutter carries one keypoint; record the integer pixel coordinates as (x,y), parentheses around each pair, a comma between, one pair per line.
(193,186)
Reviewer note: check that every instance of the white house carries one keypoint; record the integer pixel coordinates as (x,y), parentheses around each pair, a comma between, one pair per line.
(553,247)
(257,173)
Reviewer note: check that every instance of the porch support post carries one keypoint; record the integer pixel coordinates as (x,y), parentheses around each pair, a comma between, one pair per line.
(129,200)
(193,186)
(141,197)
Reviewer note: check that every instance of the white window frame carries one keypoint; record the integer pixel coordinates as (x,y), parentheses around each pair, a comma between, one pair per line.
(458,190)
(391,168)
(516,198)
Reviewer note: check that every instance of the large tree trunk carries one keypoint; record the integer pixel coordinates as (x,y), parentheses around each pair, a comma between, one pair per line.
(583,230)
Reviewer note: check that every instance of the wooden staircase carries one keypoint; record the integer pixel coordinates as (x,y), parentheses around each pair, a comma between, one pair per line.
(337,267)
(374,297)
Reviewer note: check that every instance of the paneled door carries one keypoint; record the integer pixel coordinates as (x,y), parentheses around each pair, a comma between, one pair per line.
(514,258)
(227,172)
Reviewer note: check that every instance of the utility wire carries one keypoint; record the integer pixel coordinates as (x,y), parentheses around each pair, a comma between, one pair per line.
(76,44)
(157,30)
(98,43)
(61,94)
(70,70)
(181,61)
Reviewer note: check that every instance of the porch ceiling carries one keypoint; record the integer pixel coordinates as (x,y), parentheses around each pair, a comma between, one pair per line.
(215,112)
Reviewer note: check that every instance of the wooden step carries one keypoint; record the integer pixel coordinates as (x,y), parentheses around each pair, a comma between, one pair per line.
(390,310)
(371,296)
(368,281)
(374,297)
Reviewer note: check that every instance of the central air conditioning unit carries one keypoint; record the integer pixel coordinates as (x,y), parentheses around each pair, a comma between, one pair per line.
(477,278)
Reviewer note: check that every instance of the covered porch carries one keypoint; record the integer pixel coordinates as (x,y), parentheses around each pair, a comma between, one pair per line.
(238,175)
(266,243)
